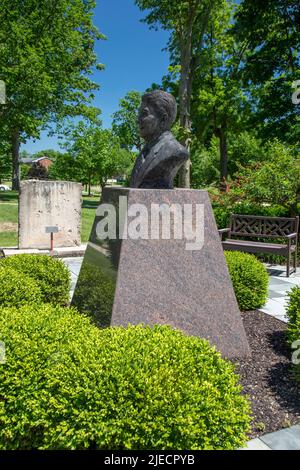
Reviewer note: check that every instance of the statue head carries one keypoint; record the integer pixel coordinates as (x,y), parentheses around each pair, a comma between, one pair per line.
(157,114)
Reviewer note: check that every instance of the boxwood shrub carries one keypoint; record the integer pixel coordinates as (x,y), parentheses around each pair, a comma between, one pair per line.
(293,314)
(17,289)
(250,279)
(51,275)
(67,384)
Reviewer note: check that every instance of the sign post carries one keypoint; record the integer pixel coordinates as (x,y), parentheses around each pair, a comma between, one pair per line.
(52,230)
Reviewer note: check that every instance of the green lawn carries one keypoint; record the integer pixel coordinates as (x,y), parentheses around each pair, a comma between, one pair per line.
(9,196)
(9,215)
(8,212)
(89,206)
(8,218)
(8,239)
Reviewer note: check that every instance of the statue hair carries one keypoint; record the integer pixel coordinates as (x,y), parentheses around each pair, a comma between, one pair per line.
(163,103)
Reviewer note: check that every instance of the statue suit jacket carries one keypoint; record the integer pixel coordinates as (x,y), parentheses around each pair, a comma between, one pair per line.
(158,163)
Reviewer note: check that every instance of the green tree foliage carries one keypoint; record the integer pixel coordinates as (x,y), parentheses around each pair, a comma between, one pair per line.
(125,124)
(241,80)
(205,164)
(97,154)
(220,103)
(5,162)
(64,168)
(46,56)
(187,22)
(275,180)
(243,149)
(24,171)
(272,64)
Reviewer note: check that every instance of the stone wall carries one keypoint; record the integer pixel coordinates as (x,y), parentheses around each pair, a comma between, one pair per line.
(49,203)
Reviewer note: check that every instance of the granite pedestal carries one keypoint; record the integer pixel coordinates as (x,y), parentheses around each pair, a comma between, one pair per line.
(166,281)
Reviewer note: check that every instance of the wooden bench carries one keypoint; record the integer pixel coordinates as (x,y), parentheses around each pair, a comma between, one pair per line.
(260,227)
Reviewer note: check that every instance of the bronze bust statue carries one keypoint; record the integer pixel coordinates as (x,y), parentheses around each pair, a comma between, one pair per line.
(162,156)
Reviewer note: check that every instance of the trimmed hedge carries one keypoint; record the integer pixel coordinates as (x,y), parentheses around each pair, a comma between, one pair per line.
(51,275)
(17,289)
(69,385)
(250,279)
(293,314)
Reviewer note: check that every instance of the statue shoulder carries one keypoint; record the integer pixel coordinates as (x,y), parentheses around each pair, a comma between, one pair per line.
(172,148)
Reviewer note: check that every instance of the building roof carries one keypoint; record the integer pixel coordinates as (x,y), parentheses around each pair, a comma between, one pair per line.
(41,158)
(30,160)
(26,160)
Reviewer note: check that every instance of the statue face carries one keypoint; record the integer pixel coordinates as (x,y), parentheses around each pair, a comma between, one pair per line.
(150,122)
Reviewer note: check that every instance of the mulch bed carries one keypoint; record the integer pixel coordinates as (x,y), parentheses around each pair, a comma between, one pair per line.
(267,376)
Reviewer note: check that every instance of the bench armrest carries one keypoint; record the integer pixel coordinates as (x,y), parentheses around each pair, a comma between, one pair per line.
(222,231)
(291,235)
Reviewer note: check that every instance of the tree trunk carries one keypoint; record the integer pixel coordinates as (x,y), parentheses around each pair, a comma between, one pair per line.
(185,92)
(15,160)
(223,154)
(220,132)
(89,193)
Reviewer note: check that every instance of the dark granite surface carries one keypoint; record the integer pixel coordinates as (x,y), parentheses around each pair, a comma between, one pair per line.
(159,281)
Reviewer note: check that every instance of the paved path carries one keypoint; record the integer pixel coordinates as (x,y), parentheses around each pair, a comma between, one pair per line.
(280,285)
(285,439)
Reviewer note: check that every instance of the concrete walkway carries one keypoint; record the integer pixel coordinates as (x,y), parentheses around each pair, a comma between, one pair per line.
(280,285)
(285,439)
(74,265)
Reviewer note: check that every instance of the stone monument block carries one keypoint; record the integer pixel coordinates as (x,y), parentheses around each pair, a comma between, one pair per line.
(49,203)
(144,273)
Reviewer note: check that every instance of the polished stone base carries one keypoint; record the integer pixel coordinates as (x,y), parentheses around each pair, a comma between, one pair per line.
(160,280)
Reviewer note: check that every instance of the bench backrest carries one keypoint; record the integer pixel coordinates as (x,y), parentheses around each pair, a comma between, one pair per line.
(260,226)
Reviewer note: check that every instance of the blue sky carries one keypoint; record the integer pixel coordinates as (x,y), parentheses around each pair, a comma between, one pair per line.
(132,56)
